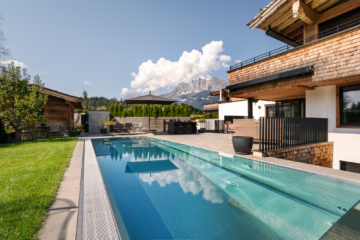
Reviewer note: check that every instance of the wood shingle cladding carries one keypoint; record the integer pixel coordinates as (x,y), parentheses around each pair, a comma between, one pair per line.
(336,60)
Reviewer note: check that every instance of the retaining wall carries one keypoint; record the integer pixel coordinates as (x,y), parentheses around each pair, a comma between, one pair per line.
(320,154)
(155,123)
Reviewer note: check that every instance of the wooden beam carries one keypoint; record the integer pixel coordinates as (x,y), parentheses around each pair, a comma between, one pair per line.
(304,12)
(292,27)
(304,87)
(326,5)
(286,24)
(339,10)
(276,14)
(296,33)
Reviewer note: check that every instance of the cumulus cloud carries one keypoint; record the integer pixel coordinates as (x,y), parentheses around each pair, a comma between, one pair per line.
(16,63)
(189,180)
(125,90)
(190,66)
(237,61)
(87,82)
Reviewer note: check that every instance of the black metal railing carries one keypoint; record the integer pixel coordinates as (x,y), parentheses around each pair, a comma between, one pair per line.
(328,32)
(277,133)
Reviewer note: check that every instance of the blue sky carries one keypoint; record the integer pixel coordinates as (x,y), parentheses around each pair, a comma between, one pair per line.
(103,42)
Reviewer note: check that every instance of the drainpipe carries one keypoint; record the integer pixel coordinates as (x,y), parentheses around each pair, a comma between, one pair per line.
(220,95)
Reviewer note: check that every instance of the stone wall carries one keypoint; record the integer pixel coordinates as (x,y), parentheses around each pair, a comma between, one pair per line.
(95,119)
(155,123)
(320,154)
(333,57)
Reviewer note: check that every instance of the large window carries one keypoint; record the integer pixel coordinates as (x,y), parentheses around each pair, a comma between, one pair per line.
(350,105)
(350,167)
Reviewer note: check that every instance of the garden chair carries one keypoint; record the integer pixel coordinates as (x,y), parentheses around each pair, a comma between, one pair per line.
(139,127)
(54,130)
(231,128)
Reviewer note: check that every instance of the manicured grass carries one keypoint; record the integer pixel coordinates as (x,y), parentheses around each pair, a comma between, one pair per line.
(30,175)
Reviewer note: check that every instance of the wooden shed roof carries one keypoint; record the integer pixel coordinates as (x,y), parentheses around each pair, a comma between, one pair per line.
(76,101)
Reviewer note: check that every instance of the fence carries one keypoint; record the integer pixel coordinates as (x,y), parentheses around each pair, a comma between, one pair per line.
(278,133)
(212,125)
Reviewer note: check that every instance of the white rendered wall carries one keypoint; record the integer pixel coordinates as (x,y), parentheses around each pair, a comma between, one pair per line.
(321,103)
(240,108)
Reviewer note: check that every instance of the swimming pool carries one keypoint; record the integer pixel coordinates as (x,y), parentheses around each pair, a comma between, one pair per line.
(165,190)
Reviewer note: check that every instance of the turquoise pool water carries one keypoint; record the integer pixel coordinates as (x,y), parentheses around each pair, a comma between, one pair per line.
(164,190)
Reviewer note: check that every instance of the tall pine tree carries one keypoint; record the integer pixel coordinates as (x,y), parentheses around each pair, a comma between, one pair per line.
(116,110)
(172,110)
(145,112)
(187,110)
(112,111)
(120,110)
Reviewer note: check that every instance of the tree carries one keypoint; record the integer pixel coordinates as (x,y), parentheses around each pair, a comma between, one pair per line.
(116,110)
(172,110)
(160,110)
(129,112)
(151,110)
(4,52)
(139,113)
(120,110)
(166,112)
(112,111)
(177,111)
(155,111)
(145,112)
(21,106)
(187,111)
(85,99)
(182,112)
(124,113)
(135,110)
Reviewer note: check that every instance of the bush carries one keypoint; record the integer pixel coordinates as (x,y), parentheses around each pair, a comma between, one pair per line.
(215,116)
(79,111)
(86,111)
(207,115)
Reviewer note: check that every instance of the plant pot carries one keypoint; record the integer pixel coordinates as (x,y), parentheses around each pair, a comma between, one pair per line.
(242,145)
(201,130)
(103,130)
(74,134)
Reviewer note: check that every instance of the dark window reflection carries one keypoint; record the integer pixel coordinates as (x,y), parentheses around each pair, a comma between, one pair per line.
(350,105)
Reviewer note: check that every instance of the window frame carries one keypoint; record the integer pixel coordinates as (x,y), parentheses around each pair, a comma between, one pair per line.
(339,114)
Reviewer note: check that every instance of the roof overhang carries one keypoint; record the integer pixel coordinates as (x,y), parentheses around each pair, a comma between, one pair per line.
(270,32)
(309,70)
(265,13)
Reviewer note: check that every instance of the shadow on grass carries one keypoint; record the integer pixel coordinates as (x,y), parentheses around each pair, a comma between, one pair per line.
(41,140)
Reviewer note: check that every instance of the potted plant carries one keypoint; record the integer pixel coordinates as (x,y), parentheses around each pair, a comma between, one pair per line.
(104,123)
(76,130)
(242,144)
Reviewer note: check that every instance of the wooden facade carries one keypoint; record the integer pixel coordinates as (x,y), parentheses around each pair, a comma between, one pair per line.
(60,109)
(335,58)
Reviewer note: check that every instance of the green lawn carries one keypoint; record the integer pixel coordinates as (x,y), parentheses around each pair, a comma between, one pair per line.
(30,175)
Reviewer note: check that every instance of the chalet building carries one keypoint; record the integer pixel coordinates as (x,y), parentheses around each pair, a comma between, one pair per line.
(314,80)
(60,109)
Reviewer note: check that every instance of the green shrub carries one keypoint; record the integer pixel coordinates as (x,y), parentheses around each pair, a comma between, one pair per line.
(215,116)
(86,111)
(207,115)
(129,112)
(79,111)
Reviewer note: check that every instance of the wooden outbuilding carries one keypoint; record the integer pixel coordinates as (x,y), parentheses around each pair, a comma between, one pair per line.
(60,109)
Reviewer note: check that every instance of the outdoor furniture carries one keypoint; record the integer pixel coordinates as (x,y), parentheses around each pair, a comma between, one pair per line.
(119,128)
(181,127)
(242,145)
(139,127)
(231,128)
(128,127)
(54,130)
(43,130)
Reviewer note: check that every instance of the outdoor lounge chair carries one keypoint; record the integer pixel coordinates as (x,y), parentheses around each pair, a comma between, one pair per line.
(54,130)
(119,128)
(128,127)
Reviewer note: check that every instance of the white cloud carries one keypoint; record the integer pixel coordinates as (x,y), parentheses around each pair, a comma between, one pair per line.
(16,63)
(237,61)
(125,90)
(190,66)
(87,82)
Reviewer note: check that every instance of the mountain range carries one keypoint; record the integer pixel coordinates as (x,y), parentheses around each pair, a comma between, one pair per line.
(195,93)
